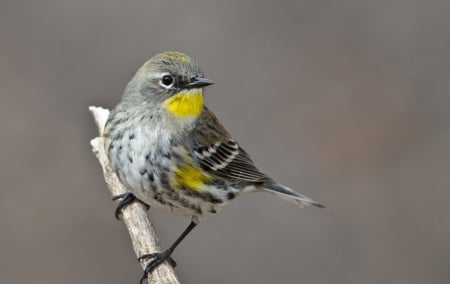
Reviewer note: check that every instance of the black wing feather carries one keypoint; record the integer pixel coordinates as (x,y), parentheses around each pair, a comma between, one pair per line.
(228,160)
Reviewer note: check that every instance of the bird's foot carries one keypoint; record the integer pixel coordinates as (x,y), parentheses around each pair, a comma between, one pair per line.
(125,199)
(156,259)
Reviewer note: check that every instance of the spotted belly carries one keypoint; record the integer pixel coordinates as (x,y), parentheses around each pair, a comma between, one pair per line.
(165,180)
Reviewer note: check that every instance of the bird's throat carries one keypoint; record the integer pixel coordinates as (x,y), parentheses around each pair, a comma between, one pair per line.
(187,103)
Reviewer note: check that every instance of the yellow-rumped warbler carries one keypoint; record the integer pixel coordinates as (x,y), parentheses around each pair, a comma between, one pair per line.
(171,152)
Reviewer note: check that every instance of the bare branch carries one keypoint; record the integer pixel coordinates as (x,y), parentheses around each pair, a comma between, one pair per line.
(135,216)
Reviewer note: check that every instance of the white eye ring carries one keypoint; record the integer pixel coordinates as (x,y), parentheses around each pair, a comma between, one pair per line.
(167,80)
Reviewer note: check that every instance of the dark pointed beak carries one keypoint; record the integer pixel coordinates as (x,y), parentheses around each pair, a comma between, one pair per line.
(199,82)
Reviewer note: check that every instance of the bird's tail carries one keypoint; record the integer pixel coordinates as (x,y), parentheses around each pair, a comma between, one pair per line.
(290,195)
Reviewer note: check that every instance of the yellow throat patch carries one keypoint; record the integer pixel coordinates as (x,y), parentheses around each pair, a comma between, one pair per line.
(185,103)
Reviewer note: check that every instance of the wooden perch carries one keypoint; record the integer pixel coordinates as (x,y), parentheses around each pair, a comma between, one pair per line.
(135,216)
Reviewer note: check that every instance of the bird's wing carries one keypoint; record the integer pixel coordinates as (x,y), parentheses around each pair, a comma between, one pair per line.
(221,155)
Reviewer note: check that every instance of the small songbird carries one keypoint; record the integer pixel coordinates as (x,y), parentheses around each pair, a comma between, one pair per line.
(171,152)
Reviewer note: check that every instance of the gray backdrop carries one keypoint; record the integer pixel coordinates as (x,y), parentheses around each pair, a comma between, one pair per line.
(345,101)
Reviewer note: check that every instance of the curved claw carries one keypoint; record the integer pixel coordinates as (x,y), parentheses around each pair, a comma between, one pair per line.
(171,261)
(157,259)
(125,199)
(160,257)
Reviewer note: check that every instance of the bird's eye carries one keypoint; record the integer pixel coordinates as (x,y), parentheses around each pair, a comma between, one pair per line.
(167,80)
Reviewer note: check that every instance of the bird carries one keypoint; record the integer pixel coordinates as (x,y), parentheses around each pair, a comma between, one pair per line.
(171,152)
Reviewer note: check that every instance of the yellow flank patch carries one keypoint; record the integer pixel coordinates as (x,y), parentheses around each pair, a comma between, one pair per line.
(192,177)
(185,103)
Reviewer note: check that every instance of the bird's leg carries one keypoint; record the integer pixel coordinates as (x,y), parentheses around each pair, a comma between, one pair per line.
(125,199)
(159,257)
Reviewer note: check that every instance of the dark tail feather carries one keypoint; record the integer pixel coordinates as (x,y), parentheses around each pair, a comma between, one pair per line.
(290,195)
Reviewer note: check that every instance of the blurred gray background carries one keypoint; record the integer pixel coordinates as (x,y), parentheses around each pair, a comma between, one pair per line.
(345,101)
